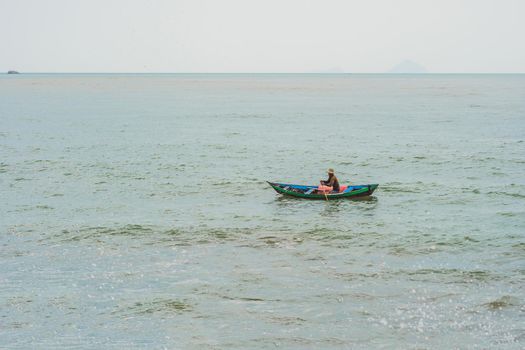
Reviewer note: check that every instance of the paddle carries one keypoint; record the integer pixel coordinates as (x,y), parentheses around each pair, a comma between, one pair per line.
(325,196)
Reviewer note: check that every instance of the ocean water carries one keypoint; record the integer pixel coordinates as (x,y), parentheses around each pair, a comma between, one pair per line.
(134,212)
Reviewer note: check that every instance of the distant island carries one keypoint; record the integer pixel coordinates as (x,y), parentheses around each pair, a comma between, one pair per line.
(13,72)
(407,66)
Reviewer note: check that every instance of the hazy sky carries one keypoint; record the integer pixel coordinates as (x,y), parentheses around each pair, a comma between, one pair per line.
(261,36)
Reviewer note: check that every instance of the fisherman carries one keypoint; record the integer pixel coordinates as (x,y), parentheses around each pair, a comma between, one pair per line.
(332,181)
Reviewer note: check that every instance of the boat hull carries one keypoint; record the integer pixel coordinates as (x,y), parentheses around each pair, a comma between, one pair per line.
(299,191)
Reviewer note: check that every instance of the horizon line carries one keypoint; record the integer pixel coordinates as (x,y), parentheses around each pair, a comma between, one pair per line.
(326,73)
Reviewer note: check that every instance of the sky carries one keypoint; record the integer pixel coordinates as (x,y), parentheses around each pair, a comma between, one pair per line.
(444,36)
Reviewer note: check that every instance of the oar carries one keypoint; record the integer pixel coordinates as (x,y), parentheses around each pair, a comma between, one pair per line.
(325,196)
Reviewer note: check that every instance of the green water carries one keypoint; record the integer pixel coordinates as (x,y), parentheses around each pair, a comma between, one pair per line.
(135,212)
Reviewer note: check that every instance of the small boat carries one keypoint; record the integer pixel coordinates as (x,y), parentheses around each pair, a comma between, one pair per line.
(309,192)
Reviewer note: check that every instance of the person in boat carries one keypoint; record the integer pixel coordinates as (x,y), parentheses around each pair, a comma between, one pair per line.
(332,181)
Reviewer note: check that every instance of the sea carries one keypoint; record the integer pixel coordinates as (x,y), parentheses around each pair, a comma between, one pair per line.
(135,212)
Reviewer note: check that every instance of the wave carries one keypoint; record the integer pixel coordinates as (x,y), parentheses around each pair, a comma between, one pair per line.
(149,234)
(145,307)
(502,302)
(514,195)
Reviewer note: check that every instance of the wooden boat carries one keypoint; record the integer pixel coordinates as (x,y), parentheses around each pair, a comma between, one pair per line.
(309,192)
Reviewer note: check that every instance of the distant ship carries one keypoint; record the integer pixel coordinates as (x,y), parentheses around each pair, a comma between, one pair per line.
(13,72)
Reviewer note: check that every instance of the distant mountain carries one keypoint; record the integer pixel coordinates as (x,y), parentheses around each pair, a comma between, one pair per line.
(407,67)
(12,72)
